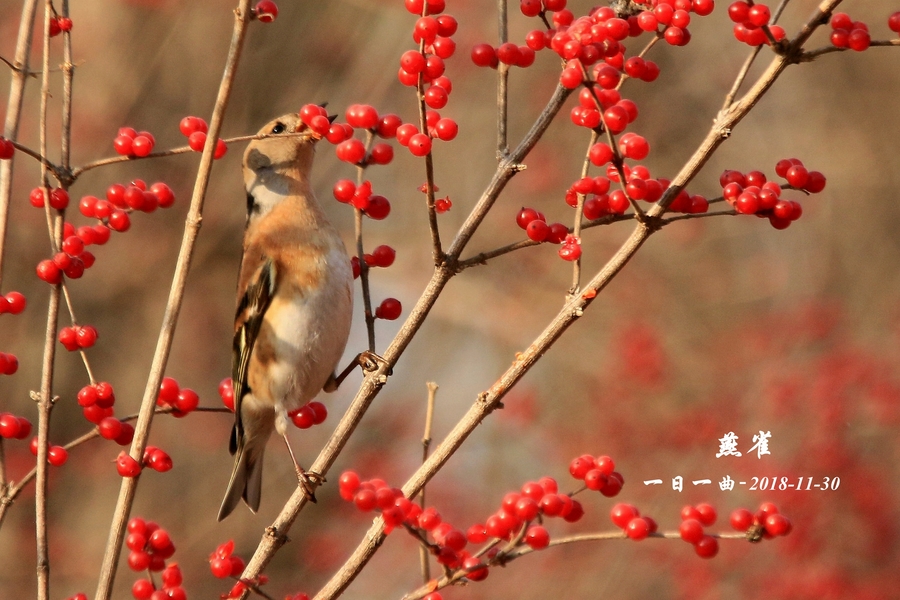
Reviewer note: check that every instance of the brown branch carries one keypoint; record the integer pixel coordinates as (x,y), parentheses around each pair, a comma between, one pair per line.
(10,132)
(426,444)
(173,305)
(45,397)
(437,252)
(579,212)
(482,257)
(360,254)
(519,550)
(502,83)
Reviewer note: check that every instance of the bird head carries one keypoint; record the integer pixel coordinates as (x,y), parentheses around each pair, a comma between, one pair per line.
(289,145)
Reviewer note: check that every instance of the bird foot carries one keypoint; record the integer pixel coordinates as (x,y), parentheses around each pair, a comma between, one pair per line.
(309,481)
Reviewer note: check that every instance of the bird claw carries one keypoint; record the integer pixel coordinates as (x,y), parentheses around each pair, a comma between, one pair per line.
(370,362)
(308,481)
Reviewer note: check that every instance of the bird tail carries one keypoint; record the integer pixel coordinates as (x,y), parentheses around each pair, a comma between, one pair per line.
(246,478)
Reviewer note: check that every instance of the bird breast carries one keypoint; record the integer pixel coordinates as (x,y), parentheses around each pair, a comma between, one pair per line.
(305,331)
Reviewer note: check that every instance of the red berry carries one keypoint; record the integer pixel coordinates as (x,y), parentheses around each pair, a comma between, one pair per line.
(894,22)
(189,125)
(797,176)
(122,145)
(15,302)
(706,514)
(600,154)
(343,190)
(57,456)
(303,417)
(141,146)
(197,140)
(384,256)
(691,531)
(707,547)
(537,537)
(110,428)
(266,11)
(537,230)
(377,207)
(621,514)
(777,524)
(637,529)
(446,129)
(419,144)
(389,309)
(741,519)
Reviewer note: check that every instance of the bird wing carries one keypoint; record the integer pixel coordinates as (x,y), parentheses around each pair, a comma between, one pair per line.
(248,320)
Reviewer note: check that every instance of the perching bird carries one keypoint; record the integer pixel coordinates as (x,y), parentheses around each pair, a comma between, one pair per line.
(294,301)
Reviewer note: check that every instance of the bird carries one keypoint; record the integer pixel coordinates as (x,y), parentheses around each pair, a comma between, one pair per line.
(294,303)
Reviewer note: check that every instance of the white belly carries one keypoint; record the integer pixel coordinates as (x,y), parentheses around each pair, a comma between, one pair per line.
(310,335)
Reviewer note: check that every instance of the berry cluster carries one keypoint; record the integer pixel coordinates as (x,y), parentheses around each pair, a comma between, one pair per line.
(628,519)
(78,337)
(693,520)
(58,25)
(598,474)
(847,33)
(13,427)
(751,194)
(96,401)
(751,23)
(154,457)
(765,524)
(194,129)
(113,214)
(150,547)
(519,520)
(129,142)
(594,51)
(56,455)
(181,400)
(224,563)
(374,206)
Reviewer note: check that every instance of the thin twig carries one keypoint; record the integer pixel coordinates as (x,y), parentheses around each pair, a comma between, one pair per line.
(437,252)
(502,84)
(173,305)
(519,550)
(579,212)
(44,399)
(10,132)
(360,254)
(482,257)
(426,443)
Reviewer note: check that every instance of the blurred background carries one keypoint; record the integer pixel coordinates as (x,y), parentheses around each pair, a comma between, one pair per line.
(718,325)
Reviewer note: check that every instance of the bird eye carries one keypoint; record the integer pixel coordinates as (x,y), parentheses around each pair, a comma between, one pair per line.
(279,128)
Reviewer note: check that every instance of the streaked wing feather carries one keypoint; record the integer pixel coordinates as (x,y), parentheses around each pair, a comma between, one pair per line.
(248,320)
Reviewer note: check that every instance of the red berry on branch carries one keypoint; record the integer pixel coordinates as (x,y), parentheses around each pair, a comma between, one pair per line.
(266,11)
(484,55)
(419,144)
(389,309)
(378,207)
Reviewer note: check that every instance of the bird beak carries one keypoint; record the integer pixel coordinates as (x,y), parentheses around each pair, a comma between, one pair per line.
(331,118)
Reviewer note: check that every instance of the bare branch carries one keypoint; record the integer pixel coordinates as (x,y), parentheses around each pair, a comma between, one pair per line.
(173,305)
